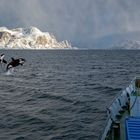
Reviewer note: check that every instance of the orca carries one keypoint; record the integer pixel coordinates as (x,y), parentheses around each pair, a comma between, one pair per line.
(15,63)
(2,60)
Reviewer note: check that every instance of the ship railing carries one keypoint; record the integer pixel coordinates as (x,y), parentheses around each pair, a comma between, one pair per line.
(117,105)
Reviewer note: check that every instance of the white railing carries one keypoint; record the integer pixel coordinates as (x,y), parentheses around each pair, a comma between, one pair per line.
(118,103)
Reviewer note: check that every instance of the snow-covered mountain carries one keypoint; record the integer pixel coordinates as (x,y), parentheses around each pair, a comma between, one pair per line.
(116,40)
(29,38)
(127,45)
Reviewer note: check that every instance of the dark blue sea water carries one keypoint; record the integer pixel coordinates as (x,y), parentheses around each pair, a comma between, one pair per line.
(62,94)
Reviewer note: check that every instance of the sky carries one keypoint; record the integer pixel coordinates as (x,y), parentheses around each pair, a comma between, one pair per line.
(78,21)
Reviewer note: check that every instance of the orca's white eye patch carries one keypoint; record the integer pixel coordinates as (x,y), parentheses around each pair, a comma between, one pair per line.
(21,61)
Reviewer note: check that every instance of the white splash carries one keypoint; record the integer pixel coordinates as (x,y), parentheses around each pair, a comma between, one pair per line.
(10,72)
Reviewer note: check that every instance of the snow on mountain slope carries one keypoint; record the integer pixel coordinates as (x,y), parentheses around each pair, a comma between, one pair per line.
(127,45)
(29,38)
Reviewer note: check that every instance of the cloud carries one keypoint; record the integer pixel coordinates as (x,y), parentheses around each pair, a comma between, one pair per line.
(78,21)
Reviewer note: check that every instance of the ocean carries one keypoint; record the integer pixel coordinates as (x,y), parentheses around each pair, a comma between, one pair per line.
(62,94)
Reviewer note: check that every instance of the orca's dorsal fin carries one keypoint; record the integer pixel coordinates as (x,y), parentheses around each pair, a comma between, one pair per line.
(12,58)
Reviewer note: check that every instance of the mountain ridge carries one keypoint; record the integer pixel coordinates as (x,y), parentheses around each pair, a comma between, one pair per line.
(114,40)
(29,38)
